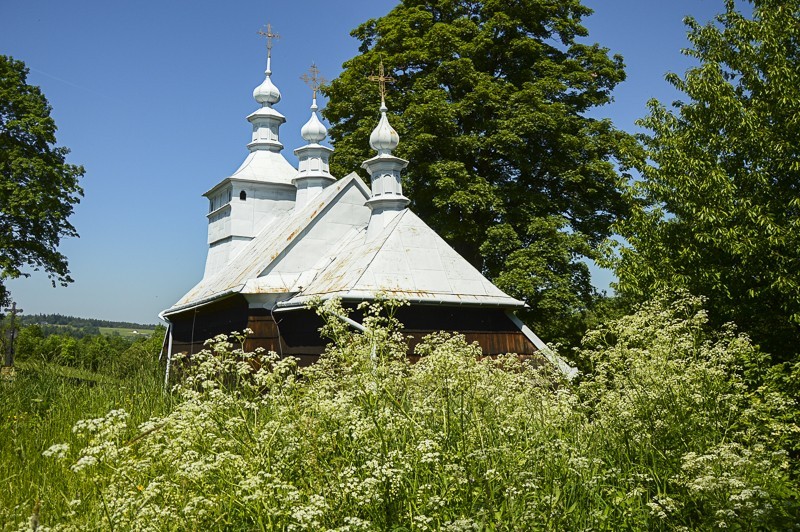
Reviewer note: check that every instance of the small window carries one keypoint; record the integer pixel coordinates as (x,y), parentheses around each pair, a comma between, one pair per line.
(243,195)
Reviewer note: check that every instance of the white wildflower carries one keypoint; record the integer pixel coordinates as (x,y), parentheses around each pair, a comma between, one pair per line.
(59,450)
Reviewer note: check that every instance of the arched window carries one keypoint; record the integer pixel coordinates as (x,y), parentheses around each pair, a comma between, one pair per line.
(243,195)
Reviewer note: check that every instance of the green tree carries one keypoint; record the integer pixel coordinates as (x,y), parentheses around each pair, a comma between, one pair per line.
(29,342)
(490,101)
(719,196)
(38,189)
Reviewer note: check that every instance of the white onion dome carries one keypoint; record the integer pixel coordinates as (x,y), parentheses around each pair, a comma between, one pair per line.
(384,138)
(314,131)
(267,93)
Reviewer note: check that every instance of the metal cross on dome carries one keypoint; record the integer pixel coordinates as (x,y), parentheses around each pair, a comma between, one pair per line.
(313,79)
(269,35)
(382,79)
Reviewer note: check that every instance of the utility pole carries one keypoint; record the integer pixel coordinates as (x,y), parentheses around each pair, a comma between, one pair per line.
(8,367)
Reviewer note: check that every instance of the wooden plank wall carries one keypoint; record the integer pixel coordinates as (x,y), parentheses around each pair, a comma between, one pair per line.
(492,343)
(288,333)
(296,333)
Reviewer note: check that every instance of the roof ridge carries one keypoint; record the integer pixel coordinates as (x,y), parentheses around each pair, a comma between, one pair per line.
(296,215)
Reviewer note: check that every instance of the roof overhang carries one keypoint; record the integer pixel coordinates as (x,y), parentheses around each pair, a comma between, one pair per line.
(199,302)
(231,180)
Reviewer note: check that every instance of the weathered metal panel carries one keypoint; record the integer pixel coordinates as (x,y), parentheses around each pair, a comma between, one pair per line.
(270,244)
(408,260)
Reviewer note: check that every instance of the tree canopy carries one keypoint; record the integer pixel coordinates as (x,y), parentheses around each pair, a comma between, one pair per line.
(719,198)
(490,101)
(38,189)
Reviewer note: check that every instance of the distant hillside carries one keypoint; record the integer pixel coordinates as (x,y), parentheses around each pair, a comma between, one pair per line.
(78,323)
(50,324)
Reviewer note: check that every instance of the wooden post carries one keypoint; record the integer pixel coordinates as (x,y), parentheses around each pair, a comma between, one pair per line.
(12,334)
(7,373)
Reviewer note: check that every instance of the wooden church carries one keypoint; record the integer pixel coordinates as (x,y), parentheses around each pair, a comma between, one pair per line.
(280,237)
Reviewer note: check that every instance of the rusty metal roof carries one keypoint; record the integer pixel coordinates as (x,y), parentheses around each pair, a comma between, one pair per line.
(244,273)
(322,251)
(408,260)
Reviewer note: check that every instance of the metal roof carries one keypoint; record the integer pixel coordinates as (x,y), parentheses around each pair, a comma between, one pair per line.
(260,163)
(408,260)
(266,249)
(334,258)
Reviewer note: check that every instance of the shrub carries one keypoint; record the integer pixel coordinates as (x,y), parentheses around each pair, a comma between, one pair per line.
(670,408)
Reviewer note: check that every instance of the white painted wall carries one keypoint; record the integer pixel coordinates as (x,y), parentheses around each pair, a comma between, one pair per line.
(234,223)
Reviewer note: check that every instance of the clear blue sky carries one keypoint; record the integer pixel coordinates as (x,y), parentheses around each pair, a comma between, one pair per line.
(151,98)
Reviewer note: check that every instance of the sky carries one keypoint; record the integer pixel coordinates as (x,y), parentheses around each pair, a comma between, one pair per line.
(151,98)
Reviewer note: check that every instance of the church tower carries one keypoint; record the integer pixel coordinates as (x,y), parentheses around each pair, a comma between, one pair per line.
(313,171)
(387,199)
(261,190)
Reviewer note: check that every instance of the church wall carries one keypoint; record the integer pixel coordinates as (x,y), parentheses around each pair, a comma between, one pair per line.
(491,328)
(296,332)
(238,218)
(219,224)
(263,205)
(288,333)
(192,327)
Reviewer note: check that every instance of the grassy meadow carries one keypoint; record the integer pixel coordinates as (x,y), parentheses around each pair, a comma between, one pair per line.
(40,407)
(126,332)
(665,431)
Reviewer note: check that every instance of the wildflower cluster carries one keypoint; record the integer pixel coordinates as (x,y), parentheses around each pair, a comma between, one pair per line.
(656,437)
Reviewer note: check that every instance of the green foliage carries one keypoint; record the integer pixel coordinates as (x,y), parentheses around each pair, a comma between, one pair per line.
(719,197)
(38,189)
(68,330)
(663,434)
(114,354)
(139,354)
(78,323)
(40,407)
(675,407)
(489,99)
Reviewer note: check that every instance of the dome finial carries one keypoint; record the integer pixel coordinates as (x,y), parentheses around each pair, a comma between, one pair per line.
(313,131)
(267,94)
(383,138)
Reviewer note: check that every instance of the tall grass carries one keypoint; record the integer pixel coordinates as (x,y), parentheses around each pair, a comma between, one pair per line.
(39,408)
(664,434)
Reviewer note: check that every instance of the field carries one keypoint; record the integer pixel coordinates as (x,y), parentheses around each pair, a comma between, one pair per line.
(39,408)
(130,333)
(663,434)
(68,373)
